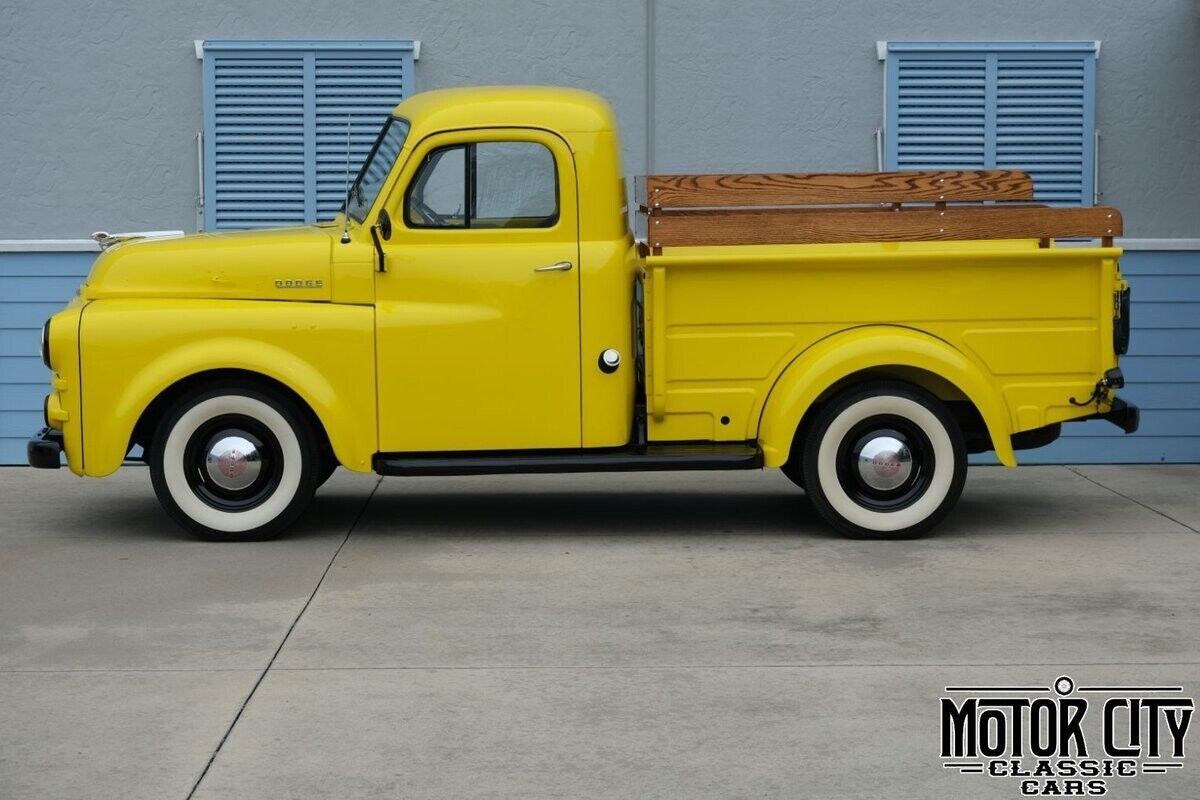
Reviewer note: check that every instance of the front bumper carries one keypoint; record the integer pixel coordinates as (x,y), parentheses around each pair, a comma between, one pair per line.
(44,451)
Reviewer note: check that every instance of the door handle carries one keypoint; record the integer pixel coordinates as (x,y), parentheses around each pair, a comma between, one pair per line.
(561,266)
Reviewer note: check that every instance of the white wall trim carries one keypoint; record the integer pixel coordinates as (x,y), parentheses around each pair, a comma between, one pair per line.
(199,45)
(1159,244)
(884,46)
(48,245)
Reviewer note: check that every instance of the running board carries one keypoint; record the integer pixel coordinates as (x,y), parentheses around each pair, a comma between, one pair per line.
(703,455)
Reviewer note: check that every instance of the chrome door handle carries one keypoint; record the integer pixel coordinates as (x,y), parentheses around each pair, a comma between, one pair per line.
(561,266)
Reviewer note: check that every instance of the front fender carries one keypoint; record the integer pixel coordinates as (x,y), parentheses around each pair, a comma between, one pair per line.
(870,347)
(132,351)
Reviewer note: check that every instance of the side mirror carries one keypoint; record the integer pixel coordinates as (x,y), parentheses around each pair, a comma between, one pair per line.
(381,228)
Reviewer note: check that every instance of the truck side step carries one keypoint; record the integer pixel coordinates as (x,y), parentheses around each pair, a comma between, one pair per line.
(676,456)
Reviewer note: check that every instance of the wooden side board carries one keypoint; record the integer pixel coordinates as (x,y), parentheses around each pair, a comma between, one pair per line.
(810,226)
(817,188)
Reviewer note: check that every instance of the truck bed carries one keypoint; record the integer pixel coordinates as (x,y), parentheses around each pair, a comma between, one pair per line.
(735,294)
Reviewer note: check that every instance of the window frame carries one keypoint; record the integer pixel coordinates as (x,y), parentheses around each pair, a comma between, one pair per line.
(470,188)
(383,131)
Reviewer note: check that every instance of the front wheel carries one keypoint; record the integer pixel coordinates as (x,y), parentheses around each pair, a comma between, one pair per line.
(234,464)
(884,460)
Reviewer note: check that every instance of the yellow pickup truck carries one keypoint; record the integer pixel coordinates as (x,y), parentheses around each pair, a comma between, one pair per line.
(483,306)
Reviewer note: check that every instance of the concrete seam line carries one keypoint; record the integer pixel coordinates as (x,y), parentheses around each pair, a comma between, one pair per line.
(1130,499)
(262,675)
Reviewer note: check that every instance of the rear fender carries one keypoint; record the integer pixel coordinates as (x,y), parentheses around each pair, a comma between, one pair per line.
(874,347)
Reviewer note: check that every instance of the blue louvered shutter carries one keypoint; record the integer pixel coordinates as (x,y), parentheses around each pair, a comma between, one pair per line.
(1011,105)
(275,124)
(362,90)
(255,165)
(1044,122)
(939,118)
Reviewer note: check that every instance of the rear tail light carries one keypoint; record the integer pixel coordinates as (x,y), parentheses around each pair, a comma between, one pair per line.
(1121,322)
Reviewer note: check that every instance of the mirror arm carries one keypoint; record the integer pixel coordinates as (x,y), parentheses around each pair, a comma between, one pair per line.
(382,266)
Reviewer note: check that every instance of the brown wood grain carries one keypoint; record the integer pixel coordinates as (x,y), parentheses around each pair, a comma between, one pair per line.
(803,226)
(812,188)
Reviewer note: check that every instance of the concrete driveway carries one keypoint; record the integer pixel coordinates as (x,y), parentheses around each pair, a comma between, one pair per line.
(622,636)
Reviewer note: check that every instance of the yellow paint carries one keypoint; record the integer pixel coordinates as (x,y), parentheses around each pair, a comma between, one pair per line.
(1007,324)
(134,349)
(460,345)
(230,264)
(476,350)
(65,385)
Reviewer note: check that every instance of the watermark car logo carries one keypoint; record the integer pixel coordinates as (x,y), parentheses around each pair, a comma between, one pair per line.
(1045,738)
(298,283)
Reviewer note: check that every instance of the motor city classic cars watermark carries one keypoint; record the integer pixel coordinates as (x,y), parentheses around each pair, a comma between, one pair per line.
(1064,740)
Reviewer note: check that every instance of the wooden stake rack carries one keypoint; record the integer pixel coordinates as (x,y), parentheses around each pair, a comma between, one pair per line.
(827,207)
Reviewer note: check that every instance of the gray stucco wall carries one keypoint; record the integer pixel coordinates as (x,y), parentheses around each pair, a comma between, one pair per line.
(100,101)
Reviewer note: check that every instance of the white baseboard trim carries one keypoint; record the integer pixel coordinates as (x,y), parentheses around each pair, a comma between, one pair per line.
(1159,244)
(48,245)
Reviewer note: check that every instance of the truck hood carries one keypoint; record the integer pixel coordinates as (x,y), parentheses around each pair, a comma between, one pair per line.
(276,264)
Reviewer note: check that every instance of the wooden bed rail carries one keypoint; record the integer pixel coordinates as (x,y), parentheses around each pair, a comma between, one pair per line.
(829,188)
(811,208)
(811,226)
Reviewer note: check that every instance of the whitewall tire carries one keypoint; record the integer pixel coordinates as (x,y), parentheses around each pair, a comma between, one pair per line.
(235,463)
(884,460)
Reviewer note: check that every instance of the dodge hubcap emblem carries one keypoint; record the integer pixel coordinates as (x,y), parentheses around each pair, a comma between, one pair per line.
(232,463)
(886,465)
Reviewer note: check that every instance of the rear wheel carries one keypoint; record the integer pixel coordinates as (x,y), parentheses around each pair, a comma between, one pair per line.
(234,463)
(884,460)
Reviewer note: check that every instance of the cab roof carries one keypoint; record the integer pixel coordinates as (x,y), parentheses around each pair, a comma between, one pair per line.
(549,107)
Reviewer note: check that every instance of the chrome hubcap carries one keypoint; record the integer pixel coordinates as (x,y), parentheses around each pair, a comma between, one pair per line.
(884,463)
(233,462)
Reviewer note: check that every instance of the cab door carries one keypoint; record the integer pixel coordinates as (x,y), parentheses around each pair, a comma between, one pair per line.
(477,316)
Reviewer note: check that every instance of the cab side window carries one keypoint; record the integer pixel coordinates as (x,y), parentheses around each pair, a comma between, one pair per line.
(485,185)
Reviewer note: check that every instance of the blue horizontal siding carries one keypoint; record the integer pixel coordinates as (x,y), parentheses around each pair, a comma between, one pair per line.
(1162,368)
(33,286)
(21,396)
(1159,262)
(46,264)
(23,369)
(20,425)
(28,315)
(1168,288)
(14,341)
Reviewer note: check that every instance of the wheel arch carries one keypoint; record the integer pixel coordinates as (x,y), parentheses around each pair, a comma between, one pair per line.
(150,391)
(144,428)
(853,356)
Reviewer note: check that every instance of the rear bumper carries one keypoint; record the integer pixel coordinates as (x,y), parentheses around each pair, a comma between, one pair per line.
(1125,416)
(44,451)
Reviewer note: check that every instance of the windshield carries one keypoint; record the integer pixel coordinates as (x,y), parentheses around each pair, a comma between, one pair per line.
(376,168)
